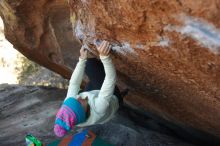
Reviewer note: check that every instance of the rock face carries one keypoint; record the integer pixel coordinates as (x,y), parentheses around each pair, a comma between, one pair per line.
(41,30)
(166,52)
(29,109)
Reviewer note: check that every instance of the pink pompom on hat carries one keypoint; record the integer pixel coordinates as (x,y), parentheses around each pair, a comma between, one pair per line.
(59,131)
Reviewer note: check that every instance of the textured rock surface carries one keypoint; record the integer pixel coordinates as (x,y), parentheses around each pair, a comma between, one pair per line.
(28,109)
(41,30)
(166,51)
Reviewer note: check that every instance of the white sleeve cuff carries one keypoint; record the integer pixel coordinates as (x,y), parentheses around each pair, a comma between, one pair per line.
(104,57)
(82,60)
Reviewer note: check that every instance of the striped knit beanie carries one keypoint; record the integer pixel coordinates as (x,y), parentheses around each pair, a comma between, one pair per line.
(71,113)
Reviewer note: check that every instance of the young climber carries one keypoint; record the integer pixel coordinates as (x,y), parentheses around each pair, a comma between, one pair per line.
(100,99)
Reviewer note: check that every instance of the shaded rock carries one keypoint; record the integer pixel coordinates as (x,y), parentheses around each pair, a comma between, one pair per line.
(123,131)
(29,109)
(167,52)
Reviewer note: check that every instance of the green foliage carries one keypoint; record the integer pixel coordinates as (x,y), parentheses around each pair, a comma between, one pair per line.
(27,68)
(30,73)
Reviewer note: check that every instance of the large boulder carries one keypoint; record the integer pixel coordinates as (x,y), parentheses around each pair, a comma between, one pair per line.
(166,52)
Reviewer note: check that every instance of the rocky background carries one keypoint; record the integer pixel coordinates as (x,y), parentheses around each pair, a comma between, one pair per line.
(17,69)
(166,52)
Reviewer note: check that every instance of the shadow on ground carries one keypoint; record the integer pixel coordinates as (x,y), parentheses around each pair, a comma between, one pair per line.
(31,109)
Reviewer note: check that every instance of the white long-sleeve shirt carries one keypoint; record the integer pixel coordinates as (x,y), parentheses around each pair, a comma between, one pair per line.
(103,104)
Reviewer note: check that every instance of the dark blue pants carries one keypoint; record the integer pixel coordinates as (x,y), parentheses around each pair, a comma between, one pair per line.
(96,74)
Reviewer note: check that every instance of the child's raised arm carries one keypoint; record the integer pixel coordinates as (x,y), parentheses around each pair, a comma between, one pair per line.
(108,85)
(77,75)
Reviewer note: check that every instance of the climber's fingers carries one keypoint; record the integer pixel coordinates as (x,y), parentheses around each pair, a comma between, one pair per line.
(100,47)
(109,49)
(83,52)
(104,48)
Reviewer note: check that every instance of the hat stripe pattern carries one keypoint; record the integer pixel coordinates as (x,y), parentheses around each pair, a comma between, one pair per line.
(68,111)
(67,116)
(70,114)
(74,105)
